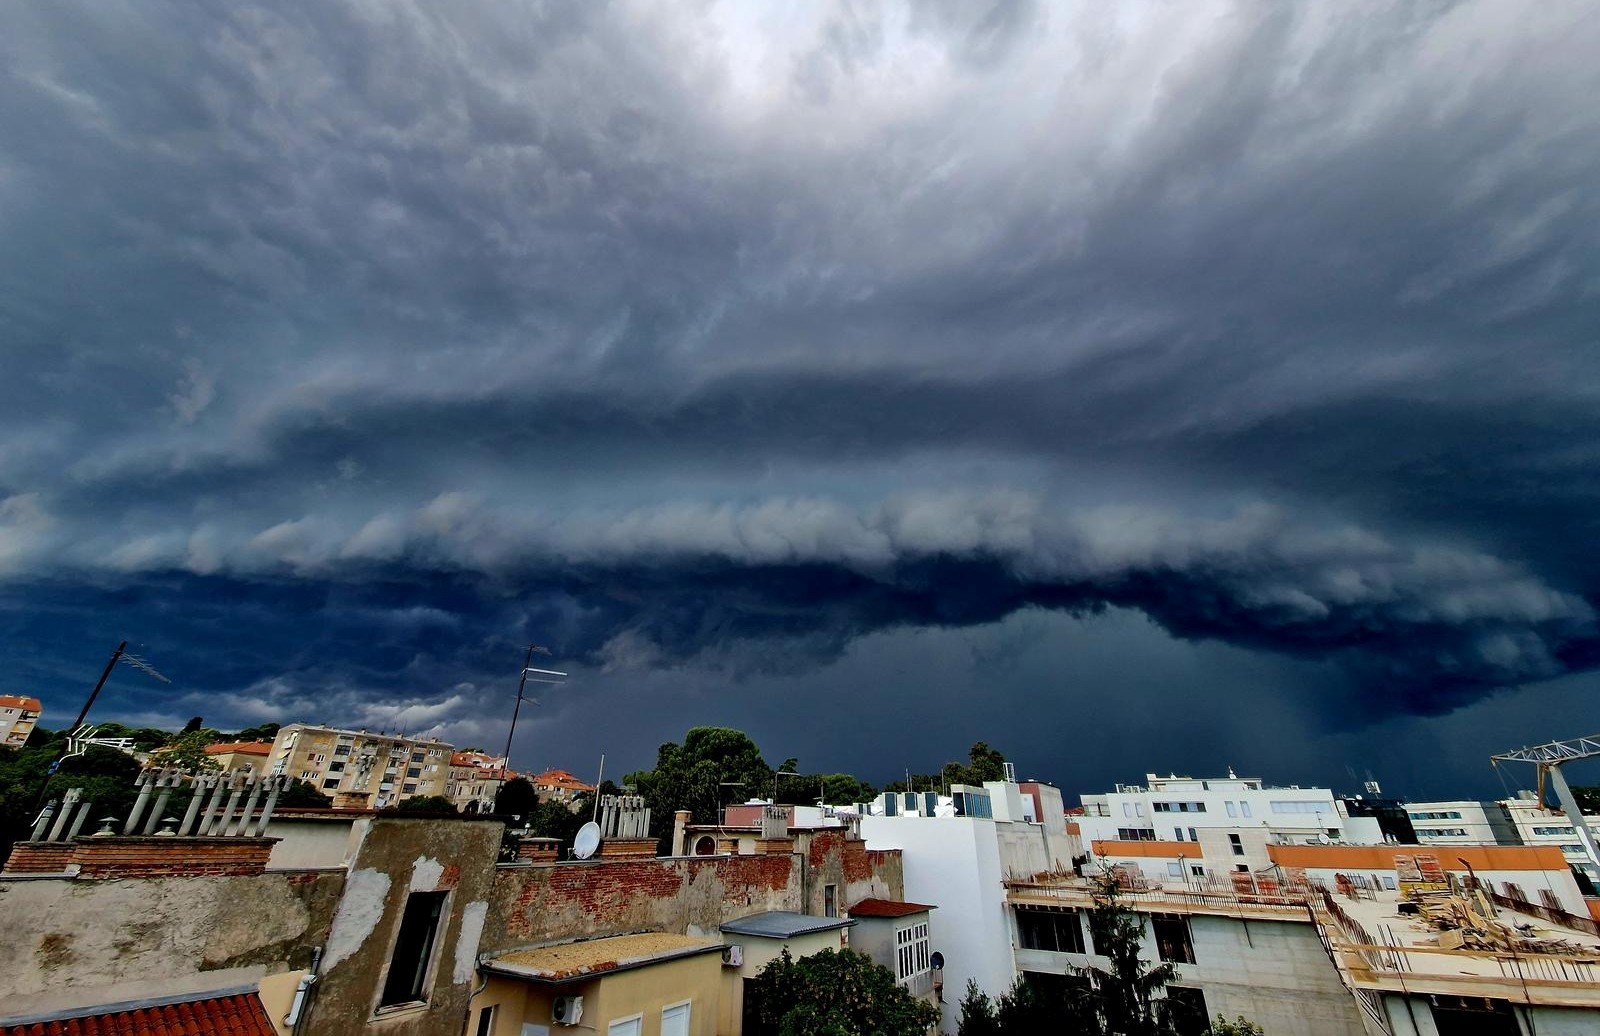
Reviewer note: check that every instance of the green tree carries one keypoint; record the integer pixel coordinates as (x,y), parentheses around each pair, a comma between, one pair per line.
(1241,1026)
(1124,997)
(303,794)
(264,732)
(713,766)
(188,750)
(834,993)
(516,798)
(978,1016)
(425,804)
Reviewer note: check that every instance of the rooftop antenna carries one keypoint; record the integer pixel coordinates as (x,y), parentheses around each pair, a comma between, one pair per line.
(121,654)
(548,676)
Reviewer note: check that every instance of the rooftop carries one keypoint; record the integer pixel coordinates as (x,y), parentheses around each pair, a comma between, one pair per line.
(783,924)
(17,701)
(888,908)
(585,958)
(240,748)
(236,1014)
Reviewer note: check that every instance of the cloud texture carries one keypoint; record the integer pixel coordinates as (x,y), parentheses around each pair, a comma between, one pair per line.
(725,336)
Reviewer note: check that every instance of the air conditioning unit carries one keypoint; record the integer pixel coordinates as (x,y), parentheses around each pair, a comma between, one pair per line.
(566,1010)
(733,955)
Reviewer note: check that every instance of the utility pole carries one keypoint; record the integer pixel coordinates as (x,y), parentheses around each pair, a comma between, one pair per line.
(104,676)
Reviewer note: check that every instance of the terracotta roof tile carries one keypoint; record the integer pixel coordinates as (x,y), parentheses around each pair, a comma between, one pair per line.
(239,1014)
(17,701)
(240,748)
(886,908)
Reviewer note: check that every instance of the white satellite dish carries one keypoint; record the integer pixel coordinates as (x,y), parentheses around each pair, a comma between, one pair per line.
(587,842)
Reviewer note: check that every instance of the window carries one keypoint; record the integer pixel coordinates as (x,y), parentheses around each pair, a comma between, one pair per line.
(626,1026)
(415,771)
(1059,931)
(1171,933)
(1439,814)
(1127,809)
(331,782)
(342,750)
(485,1021)
(675,1020)
(1186,1006)
(1192,836)
(336,767)
(1244,808)
(910,952)
(1135,834)
(1177,834)
(1138,809)
(1233,810)
(1174,870)
(413,949)
(1552,830)
(1281,806)
(1180,807)
(1197,870)
(830,901)
(1238,846)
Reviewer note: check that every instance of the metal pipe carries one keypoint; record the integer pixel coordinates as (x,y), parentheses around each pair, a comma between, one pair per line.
(68,800)
(83,817)
(43,821)
(145,781)
(211,807)
(272,801)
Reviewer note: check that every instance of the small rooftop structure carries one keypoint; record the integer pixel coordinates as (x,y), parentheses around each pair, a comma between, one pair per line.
(888,908)
(783,924)
(583,959)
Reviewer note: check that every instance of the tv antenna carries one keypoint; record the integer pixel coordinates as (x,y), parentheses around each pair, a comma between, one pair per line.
(545,676)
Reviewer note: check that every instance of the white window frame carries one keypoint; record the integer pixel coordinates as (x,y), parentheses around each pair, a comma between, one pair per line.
(911,956)
(612,1030)
(688,1015)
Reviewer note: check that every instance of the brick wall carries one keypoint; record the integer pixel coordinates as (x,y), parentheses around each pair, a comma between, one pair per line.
(160,856)
(532,904)
(39,858)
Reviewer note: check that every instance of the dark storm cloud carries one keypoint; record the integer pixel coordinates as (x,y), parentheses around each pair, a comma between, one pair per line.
(727,337)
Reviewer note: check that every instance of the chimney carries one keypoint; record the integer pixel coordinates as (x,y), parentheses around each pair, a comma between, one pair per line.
(680,827)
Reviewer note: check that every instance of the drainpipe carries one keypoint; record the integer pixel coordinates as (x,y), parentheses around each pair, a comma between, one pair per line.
(301,992)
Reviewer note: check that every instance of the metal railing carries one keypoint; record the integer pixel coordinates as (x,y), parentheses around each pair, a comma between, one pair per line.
(1586,925)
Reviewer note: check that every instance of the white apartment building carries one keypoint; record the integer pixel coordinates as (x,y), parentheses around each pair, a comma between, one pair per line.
(1518,821)
(959,864)
(360,769)
(1232,820)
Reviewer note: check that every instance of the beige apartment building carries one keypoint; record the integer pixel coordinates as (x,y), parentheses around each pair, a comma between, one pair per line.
(17,717)
(475,780)
(360,769)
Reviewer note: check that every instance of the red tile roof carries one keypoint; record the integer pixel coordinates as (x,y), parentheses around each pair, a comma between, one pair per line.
(887,908)
(239,1014)
(560,779)
(240,748)
(17,701)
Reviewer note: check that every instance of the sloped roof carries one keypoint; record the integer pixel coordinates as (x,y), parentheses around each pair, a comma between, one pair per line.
(234,1014)
(888,908)
(17,701)
(561,779)
(783,924)
(240,748)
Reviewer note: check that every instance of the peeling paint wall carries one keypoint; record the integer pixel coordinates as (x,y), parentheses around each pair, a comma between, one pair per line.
(400,856)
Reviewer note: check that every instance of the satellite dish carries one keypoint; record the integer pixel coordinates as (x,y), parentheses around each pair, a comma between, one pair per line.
(587,842)
(936,962)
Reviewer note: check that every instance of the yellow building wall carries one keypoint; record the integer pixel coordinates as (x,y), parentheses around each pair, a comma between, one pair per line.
(612,997)
(757,954)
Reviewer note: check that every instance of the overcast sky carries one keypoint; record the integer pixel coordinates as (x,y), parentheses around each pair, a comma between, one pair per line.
(1134,387)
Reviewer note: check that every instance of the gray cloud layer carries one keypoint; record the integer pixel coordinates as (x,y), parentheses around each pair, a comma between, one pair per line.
(735,327)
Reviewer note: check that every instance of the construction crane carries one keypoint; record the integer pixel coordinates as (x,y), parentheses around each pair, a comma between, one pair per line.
(1548,758)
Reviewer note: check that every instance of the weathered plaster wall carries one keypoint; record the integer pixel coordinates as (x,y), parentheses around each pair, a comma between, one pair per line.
(399,856)
(64,934)
(540,902)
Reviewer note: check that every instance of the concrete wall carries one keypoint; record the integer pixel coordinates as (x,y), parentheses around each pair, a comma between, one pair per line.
(1275,973)
(67,936)
(396,858)
(758,953)
(523,1008)
(309,842)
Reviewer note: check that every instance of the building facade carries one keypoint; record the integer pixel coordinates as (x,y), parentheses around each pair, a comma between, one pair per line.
(18,715)
(358,768)
(1220,825)
(475,779)
(237,756)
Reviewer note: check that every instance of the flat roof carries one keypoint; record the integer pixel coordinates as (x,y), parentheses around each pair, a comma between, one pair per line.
(783,924)
(576,960)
